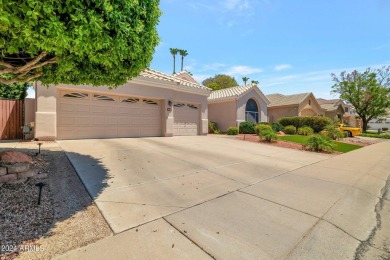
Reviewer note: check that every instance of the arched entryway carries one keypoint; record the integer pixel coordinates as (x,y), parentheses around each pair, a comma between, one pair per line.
(251,111)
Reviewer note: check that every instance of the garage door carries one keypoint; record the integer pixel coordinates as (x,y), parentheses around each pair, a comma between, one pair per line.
(83,115)
(186,119)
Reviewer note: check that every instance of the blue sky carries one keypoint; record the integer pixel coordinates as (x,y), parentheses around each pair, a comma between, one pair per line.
(289,46)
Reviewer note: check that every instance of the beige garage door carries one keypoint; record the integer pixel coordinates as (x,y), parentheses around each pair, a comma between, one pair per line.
(186,119)
(83,115)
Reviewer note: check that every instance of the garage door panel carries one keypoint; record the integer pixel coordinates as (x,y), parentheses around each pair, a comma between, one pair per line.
(186,119)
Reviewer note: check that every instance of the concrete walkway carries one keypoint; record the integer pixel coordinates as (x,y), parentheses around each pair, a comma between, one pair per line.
(203,197)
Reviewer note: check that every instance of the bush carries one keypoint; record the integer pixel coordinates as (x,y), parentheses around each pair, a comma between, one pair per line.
(317,123)
(218,132)
(247,127)
(385,128)
(290,130)
(333,132)
(305,130)
(277,127)
(261,127)
(320,143)
(232,131)
(268,134)
(212,127)
(383,136)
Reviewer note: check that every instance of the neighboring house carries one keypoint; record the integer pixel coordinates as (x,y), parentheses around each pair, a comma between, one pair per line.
(333,110)
(303,104)
(153,104)
(380,122)
(231,106)
(186,76)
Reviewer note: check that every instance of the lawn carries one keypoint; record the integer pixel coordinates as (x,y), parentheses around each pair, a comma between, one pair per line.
(339,146)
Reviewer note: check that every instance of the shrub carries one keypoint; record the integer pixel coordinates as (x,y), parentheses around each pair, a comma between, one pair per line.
(261,127)
(317,123)
(383,136)
(333,132)
(385,128)
(290,130)
(320,143)
(277,127)
(268,134)
(247,127)
(232,131)
(305,130)
(218,132)
(212,127)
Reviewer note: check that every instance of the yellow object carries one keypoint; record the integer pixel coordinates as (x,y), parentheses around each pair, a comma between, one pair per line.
(351,131)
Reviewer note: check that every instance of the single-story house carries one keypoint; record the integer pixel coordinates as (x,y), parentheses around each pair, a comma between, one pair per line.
(186,76)
(303,104)
(336,108)
(231,106)
(152,104)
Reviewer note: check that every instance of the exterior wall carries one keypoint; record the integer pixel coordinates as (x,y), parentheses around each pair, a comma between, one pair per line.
(29,115)
(275,113)
(224,114)
(333,114)
(46,113)
(261,105)
(312,109)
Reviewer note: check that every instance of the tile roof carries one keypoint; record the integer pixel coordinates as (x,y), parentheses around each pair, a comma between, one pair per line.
(185,75)
(230,92)
(285,100)
(329,107)
(327,101)
(156,75)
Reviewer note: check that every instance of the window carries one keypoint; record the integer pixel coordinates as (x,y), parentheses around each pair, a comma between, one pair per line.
(130,100)
(251,111)
(75,95)
(104,98)
(150,102)
(346,109)
(179,105)
(192,106)
(309,102)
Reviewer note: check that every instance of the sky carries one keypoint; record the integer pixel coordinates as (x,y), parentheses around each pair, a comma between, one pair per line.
(288,46)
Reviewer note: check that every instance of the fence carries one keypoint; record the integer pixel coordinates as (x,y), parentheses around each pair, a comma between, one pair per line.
(11,119)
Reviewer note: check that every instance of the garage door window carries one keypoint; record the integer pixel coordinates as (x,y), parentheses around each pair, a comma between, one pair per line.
(192,106)
(75,95)
(103,98)
(130,100)
(150,102)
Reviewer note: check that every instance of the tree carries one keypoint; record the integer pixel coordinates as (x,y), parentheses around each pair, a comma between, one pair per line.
(368,92)
(245,79)
(174,52)
(14,91)
(76,41)
(183,53)
(255,82)
(220,81)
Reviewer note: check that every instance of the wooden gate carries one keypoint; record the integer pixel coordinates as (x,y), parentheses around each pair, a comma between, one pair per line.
(11,119)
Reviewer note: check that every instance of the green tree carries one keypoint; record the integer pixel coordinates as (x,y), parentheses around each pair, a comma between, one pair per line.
(368,92)
(14,91)
(174,52)
(220,81)
(183,53)
(255,82)
(245,79)
(76,41)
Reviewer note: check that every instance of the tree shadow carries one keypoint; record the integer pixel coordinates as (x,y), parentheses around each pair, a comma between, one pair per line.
(66,208)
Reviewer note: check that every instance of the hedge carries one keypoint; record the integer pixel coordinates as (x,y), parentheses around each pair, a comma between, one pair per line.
(317,123)
(247,127)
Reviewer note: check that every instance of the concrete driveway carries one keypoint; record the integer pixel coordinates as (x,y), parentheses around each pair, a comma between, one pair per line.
(214,196)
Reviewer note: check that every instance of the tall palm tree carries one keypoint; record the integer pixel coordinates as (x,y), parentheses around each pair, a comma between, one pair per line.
(255,82)
(245,79)
(174,51)
(183,53)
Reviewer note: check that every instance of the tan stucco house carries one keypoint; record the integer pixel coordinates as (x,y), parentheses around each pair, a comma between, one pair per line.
(231,106)
(336,108)
(303,104)
(153,104)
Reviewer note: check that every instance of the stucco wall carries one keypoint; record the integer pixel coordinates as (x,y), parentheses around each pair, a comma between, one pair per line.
(275,113)
(46,104)
(316,109)
(224,114)
(262,106)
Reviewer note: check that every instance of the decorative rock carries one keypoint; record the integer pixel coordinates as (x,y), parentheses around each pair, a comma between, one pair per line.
(28,173)
(3,171)
(1,184)
(16,168)
(40,176)
(8,177)
(14,157)
(17,181)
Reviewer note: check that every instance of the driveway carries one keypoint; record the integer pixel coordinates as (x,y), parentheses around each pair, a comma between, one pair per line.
(214,196)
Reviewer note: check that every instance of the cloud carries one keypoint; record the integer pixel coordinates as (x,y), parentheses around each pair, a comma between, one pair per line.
(200,77)
(234,5)
(242,70)
(282,67)
(213,66)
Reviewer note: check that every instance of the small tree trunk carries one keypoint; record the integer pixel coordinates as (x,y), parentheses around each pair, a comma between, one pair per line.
(182,61)
(174,64)
(365,124)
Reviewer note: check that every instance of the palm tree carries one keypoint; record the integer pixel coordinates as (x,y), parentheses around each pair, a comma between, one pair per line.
(174,51)
(255,82)
(183,53)
(245,79)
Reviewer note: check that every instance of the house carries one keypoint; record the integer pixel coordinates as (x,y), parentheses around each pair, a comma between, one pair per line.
(383,122)
(333,110)
(231,106)
(303,104)
(152,104)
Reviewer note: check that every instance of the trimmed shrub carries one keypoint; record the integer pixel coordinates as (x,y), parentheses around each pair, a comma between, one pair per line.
(212,127)
(383,136)
(385,128)
(247,127)
(232,131)
(333,132)
(320,143)
(317,123)
(277,127)
(218,132)
(305,130)
(261,127)
(268,134)
(290,130)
